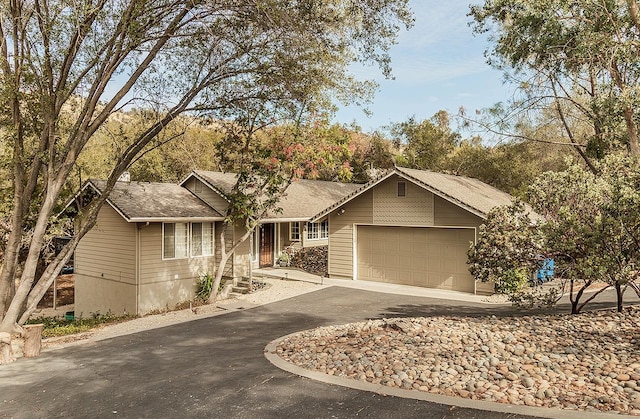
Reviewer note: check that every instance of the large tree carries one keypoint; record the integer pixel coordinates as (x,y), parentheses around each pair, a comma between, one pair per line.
(592,225)
(67,67)
(576,65)
(425,144)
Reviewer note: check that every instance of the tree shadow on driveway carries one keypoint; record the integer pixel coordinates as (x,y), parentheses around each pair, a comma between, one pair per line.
(213,367)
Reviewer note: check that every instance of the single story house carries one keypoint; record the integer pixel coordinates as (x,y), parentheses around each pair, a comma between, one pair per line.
(153,240)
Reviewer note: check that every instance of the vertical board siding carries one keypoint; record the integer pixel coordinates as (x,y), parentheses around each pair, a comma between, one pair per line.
(415,208)
(228,239)
(242,255)
(358,211)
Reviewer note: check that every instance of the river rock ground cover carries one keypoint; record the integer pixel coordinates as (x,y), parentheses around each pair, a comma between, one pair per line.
(587,362)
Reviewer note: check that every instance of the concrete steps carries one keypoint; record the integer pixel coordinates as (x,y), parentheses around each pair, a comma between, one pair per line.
(242,287)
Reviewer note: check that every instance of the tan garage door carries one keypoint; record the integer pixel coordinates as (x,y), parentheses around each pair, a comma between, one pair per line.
(424,257)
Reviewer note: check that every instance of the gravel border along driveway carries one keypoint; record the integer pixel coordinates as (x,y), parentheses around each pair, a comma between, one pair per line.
(588,362)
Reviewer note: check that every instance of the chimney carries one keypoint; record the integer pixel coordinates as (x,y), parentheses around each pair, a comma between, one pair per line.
(125,177)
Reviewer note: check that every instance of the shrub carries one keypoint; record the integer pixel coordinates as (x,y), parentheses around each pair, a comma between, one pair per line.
(58,326)
(512,281)
(205,285)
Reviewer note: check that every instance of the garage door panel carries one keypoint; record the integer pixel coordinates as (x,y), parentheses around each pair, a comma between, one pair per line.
(427,257)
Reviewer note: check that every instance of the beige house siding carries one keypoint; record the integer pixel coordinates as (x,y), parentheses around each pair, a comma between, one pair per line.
(166,282)
(413,209)
(284,235)
(207,194)
(105,266)
(341,231)
(448,214)
(382,206)
(485,288)
(228,239)
(90,293)
(242,255)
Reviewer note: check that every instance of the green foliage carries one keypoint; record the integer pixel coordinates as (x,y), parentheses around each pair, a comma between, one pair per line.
(592,223)
(535,297)
(506,248)
(576,64)
(425,144)
(512,281)
(510,167)
(284,259)
(262,62)
(204,286)
(58,326)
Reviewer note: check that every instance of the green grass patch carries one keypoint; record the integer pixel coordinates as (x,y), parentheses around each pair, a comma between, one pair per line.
(59,326)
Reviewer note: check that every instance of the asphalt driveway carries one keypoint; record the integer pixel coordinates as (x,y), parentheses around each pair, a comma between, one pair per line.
(215,367)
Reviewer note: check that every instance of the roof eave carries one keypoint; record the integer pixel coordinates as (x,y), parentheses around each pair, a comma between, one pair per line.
(173,219)
(351,196)
(284,220)
(441,194)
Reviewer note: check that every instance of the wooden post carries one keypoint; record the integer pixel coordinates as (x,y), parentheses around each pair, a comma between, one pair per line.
(55,291)
(32,339)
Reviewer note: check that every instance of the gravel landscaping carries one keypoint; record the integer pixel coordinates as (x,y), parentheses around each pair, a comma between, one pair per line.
(587,362)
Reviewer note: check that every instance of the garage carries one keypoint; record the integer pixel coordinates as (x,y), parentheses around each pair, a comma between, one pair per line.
(430,257)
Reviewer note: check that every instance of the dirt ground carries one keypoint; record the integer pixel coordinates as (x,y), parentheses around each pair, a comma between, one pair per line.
(64,294)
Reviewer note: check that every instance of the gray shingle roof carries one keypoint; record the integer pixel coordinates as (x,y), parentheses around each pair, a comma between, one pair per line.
(303,198)
(464,191)
(150,201)
(471,194)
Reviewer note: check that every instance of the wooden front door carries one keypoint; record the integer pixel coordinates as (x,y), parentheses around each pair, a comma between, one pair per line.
(266,245)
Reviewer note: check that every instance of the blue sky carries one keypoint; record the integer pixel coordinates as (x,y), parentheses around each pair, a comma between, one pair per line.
(437,64)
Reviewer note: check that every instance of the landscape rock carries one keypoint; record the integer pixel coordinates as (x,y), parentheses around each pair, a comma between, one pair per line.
(580,362)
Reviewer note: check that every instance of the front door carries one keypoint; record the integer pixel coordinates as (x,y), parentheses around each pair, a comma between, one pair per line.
(266,245)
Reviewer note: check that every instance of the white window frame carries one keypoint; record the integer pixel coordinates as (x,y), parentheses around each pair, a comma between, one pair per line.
(292,237)
(318,231)
(211,240)
(175,236)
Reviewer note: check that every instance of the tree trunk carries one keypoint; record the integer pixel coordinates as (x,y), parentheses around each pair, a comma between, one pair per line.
(575,308)
(224,258)
(27,278)
(32,340)
(6,353)
(619,296)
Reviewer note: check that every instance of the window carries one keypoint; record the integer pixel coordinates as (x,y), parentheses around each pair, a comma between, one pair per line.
(402,189)
(198,186)
(201,239)
(316,231)
(174,240)
(294,231)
